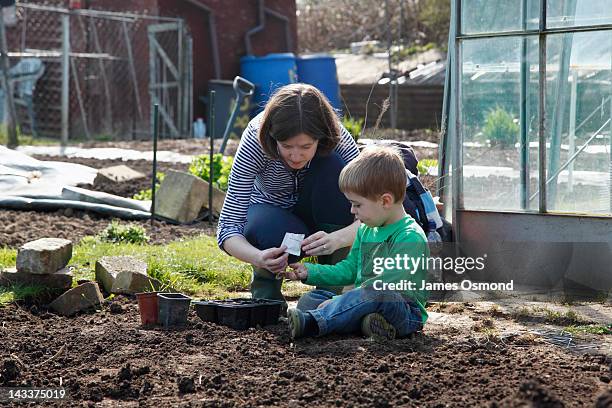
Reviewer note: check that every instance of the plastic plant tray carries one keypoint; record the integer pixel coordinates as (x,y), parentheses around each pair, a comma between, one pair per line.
(239,314)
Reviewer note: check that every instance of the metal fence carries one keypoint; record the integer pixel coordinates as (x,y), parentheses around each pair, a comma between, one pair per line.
(96,74)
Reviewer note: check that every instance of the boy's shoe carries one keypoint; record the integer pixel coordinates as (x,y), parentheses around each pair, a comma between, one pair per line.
(376,326)
(297,322)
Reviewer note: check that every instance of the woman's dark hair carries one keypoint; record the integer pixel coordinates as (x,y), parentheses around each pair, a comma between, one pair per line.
(295,109)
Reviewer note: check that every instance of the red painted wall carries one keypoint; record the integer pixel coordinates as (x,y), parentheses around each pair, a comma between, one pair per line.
(233,18)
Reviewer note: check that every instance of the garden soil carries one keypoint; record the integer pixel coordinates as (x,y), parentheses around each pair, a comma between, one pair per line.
(213,366)
(19,227)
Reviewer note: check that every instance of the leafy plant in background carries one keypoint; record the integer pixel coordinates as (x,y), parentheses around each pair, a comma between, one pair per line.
(500,129)
(222,165)
(354,126)
(424,166)
(148,194)
(124,233)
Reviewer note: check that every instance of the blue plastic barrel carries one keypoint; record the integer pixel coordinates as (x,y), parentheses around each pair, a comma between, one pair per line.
(320,71)
(268,74)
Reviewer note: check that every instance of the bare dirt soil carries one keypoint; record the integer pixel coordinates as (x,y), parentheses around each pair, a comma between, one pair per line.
(105,358)
(19,227)
(214,366)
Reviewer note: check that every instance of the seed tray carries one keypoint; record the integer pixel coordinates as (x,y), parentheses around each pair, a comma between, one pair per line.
(239,314)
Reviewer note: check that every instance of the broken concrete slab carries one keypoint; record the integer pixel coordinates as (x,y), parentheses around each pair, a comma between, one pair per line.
(83,297)
(117,174)
(181,196)
(61,279)
(124,274)
(45,255)
(218,199)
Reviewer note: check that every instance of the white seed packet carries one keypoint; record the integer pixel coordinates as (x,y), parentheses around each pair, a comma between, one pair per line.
(293,243)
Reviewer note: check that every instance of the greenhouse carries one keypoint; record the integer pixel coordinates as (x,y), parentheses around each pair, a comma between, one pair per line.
(526,156)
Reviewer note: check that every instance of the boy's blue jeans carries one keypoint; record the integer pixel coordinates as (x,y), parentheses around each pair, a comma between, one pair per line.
(344,313)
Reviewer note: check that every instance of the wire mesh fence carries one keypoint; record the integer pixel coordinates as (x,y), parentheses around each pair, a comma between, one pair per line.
(99,71)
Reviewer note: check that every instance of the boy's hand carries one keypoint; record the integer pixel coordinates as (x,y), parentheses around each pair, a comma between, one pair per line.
(273,259)
(298,271)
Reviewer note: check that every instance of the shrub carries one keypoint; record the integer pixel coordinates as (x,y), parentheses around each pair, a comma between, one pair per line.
(500,128)
(425,165)
(354,126)
(148,193)
(124,233)
(222,165)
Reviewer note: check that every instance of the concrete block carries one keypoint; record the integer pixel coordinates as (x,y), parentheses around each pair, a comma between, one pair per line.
(82,297)
(181,196)
(46,255)
(218,199)
(117,174)
(124,274)
(61,279)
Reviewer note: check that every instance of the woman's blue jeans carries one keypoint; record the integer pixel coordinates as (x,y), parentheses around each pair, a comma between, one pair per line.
(343,314)
(321,206)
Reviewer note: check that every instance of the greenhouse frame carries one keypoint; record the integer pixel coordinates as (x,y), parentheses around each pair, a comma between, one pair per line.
(526,150)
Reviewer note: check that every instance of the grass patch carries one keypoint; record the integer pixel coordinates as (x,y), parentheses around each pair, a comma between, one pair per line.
(195,266)
(16,293)
(8,257)
(590,329)
(545,315)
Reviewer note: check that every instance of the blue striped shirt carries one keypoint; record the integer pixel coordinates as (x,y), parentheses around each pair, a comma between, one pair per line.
(258,179)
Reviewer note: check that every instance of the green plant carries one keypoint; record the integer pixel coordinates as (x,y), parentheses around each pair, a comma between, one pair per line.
(590,329)
(500,129)
(354,126)
(426,165)
(128,233)
(148,193)
(222,165)
(20,292)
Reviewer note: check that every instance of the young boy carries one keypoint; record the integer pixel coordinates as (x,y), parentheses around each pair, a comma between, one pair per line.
(383,263)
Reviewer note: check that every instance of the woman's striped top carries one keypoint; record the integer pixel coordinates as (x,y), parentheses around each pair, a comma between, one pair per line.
(258,179)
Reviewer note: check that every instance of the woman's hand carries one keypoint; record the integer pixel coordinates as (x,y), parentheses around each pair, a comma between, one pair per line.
(298,272)
(320,243)
(273,259)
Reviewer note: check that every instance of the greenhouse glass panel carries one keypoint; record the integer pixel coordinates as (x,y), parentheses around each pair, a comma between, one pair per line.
(578,117)
(575,13)
(499,86)
(489,16)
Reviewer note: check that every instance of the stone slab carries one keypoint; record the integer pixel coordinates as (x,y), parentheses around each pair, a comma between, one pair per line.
(45,255)
(124,274)
(181,196)
(117,174)
(61,279)
(82,297)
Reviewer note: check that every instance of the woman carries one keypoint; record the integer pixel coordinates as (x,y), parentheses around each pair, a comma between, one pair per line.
(285,179)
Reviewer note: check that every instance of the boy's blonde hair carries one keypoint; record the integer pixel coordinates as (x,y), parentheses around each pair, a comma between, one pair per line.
(377,170)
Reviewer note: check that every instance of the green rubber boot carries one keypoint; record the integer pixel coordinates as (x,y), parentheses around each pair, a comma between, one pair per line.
(264,285)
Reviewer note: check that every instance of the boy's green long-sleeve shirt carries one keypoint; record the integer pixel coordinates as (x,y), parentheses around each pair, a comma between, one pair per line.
(403,241)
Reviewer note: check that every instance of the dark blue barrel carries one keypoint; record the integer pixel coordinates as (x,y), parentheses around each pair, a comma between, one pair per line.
(268,74)
(320,71)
